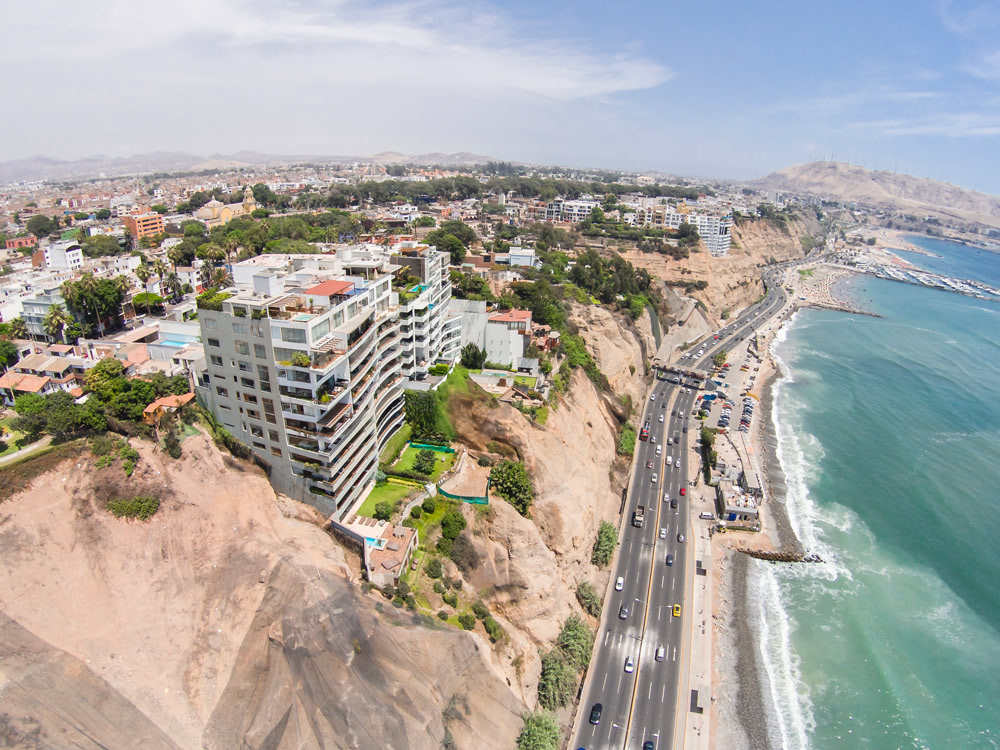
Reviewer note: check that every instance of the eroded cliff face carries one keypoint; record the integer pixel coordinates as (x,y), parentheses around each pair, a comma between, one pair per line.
(229,619)
(734,281)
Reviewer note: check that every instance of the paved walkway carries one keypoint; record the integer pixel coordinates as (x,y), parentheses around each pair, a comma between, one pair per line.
(36,446)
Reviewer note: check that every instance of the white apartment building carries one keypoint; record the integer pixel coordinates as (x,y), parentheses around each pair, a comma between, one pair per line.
(63,256)
(715,230)
(504,335)
(307,357)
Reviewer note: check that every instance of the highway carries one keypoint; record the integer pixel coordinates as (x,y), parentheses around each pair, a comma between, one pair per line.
(641,706)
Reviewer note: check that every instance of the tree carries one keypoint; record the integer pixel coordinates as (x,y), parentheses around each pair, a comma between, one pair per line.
(143,274)
(18,329)
(424,462)
(558,681)
(102,214)
(576,642)
(463,553)
(41,225)
(173,284)
(56,319)
(383,511)
(452,524)
(159,208)
(473,357)
(450,244)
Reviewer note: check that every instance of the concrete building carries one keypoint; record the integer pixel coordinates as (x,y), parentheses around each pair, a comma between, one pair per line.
(307,357)
(63,256)
(36,307)
(523,256)
(504,335)
(715,230)
(144,225)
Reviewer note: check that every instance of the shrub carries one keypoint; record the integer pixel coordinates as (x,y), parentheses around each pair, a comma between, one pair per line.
(429,505)
(450,599)
(433,570)
(557,682)
(540,732)
(484,461)
(479,610)
(403,589)
(467,620)
(575,642)
(388,591)
(463,554)
(588,598)
(101,445)
(604,545)
(626,440)
(383,511)
(442,615)
(509,479)
(494,629)
(456,584)
(438,586)
(416,512)
(452,524)
(172,444)
(141,507)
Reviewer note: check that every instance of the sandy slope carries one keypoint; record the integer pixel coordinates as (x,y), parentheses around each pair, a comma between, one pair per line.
(222,620)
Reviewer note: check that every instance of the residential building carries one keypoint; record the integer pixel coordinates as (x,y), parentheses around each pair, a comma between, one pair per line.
(523,256)
(36,307)
(504,335)
(64,256)
(307,357)
(144,225)
(715,230)
(16,243)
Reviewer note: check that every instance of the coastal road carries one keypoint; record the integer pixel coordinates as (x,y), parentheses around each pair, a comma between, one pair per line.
(642,705)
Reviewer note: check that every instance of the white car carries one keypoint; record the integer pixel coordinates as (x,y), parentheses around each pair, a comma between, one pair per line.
(678,463)
(659,450)
(652,397)
(629,665)
(655,477)
(663,533)
(670,441)
(620,583)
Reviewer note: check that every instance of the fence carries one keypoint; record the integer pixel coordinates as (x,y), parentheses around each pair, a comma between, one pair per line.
(465,498)
(438,448)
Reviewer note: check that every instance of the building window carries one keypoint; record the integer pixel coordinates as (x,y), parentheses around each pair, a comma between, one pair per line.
(269,410)
(249,398)
(275,451)
(239,328)
(210,324)
(259,446)
(272,435)
(242,348)
(259,351)
(253,414)
(246,382)
(216,360)
(293,335)
(222,391)
(256,431)
(245,366)
(213,342)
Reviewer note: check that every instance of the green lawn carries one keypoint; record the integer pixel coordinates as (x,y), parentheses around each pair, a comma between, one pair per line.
(543,415)
(395,444)
(525,380)
(405,462)
(10,437)
(389,492)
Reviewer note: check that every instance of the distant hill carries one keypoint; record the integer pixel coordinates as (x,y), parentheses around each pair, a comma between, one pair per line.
(36,168)
(847,182)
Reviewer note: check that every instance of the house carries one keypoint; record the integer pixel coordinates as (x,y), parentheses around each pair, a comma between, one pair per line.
(387,555)
(156,411)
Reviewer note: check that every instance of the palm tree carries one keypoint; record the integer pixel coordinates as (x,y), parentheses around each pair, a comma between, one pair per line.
(175,256)
(221,279)
(159,267)
(143,274)
(18,329)
(71,293)
(88,288)
(123,286)
(56,320)
(173,283)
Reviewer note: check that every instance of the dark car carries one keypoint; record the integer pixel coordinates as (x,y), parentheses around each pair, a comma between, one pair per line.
(623,613)
(595,713)
(673,412)
(648,745)
(670,559)
(673,503)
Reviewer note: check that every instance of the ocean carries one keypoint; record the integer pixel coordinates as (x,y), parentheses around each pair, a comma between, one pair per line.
(888,433)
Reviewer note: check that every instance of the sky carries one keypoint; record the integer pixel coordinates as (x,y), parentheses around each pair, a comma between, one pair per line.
(721,89)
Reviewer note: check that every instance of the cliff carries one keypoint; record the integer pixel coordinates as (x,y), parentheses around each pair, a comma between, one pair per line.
(229,619)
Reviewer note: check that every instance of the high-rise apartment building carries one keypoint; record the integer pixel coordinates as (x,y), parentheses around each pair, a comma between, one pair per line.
(307,356)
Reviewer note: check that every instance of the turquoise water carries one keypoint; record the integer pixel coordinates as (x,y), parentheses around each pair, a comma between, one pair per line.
(889,435)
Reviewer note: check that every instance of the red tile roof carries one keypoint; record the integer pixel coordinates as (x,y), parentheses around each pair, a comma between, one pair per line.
(512,316)
(331,287)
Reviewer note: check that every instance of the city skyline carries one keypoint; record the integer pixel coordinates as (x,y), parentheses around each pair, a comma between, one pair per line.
(723,92)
